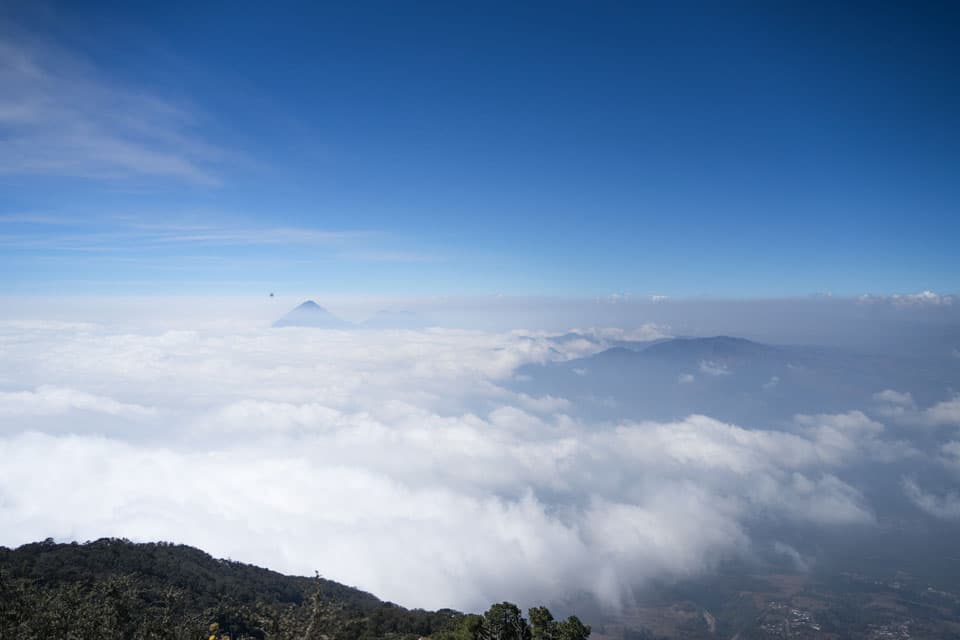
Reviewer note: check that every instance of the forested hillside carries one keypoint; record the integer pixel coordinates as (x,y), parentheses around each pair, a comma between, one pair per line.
(118,589)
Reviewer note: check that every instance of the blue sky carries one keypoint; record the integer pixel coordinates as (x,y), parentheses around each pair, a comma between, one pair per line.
(523,148)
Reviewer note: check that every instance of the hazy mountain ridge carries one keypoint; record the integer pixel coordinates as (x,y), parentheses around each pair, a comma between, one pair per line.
(732,378)
(726,347)
(311,314)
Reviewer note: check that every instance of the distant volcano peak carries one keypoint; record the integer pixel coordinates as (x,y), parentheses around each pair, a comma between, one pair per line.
(311,314)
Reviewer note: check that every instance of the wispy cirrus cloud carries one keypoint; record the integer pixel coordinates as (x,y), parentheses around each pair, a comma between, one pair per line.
(200,238)
(139,232)
(250,236)
(59,115)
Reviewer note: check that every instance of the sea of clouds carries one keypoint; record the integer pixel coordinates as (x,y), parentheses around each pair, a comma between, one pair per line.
(398,461)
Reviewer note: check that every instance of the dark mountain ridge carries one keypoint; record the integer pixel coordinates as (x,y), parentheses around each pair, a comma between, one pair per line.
(177,565)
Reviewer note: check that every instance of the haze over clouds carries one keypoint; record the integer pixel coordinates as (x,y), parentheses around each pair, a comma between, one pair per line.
(401,461)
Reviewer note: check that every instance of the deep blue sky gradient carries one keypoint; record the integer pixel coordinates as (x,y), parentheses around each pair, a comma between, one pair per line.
(729,149)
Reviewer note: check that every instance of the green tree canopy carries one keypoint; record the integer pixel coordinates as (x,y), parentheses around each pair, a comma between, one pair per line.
(572,629)
(542,624)
(504,621)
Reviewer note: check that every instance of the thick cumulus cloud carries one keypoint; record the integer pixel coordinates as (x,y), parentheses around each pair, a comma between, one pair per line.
(400,462)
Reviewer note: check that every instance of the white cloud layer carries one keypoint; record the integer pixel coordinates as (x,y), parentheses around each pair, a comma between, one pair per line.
(395,460)
(56,401)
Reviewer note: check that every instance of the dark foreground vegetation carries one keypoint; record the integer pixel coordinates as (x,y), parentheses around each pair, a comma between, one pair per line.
(114,589)
(117,589)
